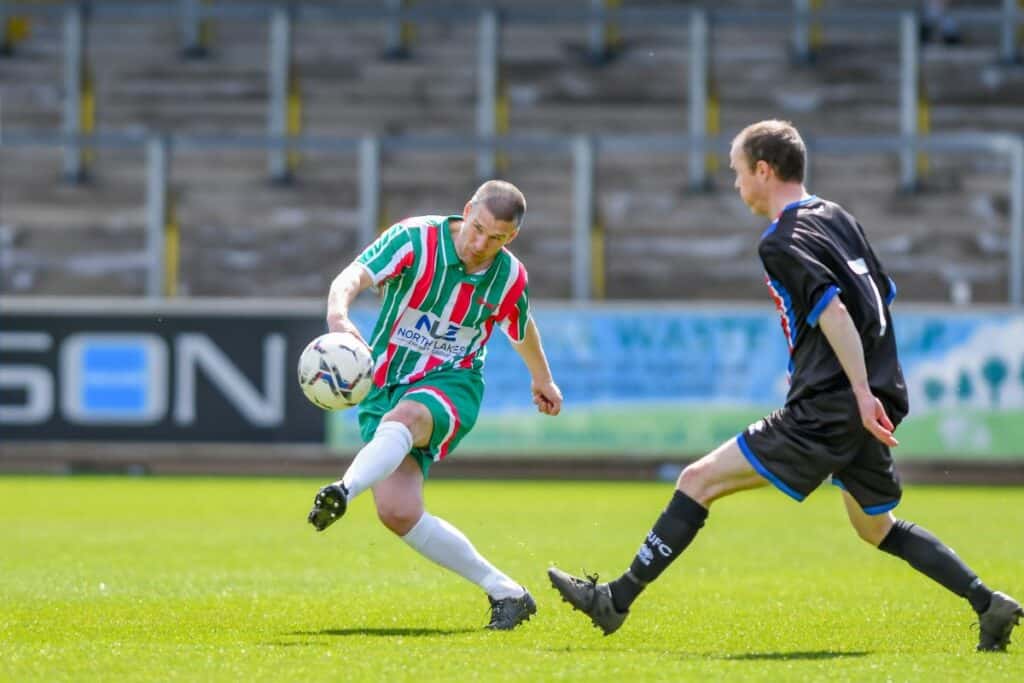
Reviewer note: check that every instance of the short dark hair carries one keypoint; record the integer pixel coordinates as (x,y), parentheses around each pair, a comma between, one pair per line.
(503,199)
(779,144)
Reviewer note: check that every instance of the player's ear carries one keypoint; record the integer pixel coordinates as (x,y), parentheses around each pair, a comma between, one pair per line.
(515,233)
(465,210)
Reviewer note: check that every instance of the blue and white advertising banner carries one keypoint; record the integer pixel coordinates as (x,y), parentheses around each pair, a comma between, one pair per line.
(674,380)
(140,371)
(644,379)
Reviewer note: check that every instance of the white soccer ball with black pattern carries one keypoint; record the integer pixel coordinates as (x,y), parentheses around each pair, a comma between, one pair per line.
(336,371)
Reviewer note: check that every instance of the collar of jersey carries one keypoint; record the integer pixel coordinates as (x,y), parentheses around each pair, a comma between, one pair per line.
(800,202)
(448,253)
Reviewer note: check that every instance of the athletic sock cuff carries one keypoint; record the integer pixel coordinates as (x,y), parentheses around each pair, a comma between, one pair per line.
(684,508)
(421,532)
(399,430)
(893,541)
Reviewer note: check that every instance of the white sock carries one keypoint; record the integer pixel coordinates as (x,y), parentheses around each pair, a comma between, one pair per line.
(439,541)
(378,459)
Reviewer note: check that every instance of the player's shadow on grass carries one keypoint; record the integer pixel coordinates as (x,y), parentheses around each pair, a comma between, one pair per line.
(768,656)
(371,631)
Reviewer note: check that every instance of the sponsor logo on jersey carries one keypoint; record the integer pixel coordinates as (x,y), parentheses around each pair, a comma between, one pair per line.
(427,333)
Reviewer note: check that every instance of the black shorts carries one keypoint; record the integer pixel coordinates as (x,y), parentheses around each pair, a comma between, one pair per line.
(797,447)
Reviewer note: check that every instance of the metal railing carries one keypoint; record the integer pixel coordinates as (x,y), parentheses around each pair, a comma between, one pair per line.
(583,150)
(592,17)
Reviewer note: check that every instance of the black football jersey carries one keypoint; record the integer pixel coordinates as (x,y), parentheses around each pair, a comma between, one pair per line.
(814,251)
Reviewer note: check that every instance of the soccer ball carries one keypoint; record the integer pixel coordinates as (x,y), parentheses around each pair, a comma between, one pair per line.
(335,371)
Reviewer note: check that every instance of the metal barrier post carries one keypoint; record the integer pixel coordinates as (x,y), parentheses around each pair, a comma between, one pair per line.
(279,69)
(172,245)
(6,40)
(909,115)
(191,30)
(603,37)
(14,28)
(582,216)
(156,214)
(74,59)
(369,189)
(399,32)
(1008,52)
(802,31)
(596,31)
(698,98)
(1016,288)
(487,91)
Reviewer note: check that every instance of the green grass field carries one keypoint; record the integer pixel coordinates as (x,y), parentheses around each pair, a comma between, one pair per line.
(221,579)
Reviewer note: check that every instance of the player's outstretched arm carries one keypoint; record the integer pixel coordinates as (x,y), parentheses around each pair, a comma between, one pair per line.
(842,335)
(344,290)
(546,394)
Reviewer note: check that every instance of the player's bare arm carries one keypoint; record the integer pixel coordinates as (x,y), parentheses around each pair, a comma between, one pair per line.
(344,290)
(546,394)
(842,335)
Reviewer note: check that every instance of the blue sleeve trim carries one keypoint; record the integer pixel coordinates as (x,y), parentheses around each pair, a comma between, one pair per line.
(819,308)
(892,292)
(741,440)
(836,482)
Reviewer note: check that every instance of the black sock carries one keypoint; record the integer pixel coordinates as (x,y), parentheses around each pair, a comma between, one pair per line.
(930,556)
(673,531)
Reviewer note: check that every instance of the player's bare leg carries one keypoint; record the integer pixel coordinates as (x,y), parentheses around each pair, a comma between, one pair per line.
(399,497)
(399,501)
(871,528)
(720,473)
(997,612)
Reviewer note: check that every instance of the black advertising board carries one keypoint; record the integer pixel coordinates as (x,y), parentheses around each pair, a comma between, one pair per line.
(131,370)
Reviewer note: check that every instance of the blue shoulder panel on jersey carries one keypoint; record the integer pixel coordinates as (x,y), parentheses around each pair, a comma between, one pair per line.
(775,223)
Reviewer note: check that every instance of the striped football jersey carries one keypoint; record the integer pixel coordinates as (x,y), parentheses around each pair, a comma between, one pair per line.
(434,315)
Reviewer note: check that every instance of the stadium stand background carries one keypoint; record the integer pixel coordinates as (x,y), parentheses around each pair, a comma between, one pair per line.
(244,236)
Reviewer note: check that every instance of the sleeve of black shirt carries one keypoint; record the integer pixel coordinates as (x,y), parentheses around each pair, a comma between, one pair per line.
(809,283)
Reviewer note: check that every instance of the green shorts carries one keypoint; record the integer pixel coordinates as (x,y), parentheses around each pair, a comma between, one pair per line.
(453,398)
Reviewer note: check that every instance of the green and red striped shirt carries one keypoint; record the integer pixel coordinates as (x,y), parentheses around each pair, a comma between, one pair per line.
(435,315)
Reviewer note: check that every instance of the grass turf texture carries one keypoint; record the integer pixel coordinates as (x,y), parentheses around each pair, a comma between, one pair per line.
(221,579)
